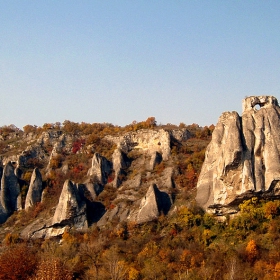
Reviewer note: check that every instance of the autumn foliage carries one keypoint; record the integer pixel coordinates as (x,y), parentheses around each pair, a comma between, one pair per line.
(77,145)
(186,244)
(17,262)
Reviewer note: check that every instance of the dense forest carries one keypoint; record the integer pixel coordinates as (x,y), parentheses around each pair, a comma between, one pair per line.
(187,243)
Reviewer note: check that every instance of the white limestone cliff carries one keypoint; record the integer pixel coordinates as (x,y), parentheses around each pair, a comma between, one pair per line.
(243,156)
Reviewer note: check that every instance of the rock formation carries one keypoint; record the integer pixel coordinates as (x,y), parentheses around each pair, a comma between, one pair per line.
(71,212)
(119,213)
(147,140)
(180,134)
(82,204)
(100,168)
(242,159)
(10,190)
(156,158)
(35,190)
(120,162)
(71,209)
(152,205)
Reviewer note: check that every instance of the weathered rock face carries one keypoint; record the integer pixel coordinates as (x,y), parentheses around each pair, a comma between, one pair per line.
(75,209)
(120,162)
(35,190)
(152,205)
(71,208)
(156,158)
(31,152)
(165,181)
(180,134)
(10,190)
(100,168)
(119,212)
(49,137)
(61,142)
(243,157)
(149,141)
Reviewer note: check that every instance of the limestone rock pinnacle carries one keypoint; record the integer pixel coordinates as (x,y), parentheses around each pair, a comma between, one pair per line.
(10,190)
(100,168)
(35,190)
(243,156)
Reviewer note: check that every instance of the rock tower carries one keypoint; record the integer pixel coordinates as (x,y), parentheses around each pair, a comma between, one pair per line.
(243,158)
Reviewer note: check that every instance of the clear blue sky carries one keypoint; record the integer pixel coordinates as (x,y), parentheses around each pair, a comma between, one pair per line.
(119,61)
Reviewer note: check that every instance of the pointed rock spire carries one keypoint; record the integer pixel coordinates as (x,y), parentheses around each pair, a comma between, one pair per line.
(100,168)
(153,204)
(35,190)
(71,210)
(242,159)
(120,162)
(10,190)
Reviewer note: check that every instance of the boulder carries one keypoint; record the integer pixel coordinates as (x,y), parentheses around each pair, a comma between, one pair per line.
(35,189)
(242,159)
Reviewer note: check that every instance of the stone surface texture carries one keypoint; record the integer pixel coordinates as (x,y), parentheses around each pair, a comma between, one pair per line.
(100,168)
(146,140)
(120,162)
(71,209)
(152,205)
(243,157)
(10,190)
(35,190)
(156,158)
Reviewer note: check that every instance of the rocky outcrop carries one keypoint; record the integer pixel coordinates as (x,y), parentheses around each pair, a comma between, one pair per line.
(146,140)
(119,213)
(100,168)
(10,190)
(70,212)
(61,143)
(120,162)
(71,209)
(180,134)
(76,209)
(156,159)
(35,189)
(153,204)
(49,137)
(165,181)
(131,208)
(90,190)
(243,157)
(39,228)
(31,152)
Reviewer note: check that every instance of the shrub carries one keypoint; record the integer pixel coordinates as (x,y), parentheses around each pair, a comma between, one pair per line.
(17,262)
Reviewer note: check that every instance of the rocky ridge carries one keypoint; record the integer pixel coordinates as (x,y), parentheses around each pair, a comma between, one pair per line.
(138,197)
